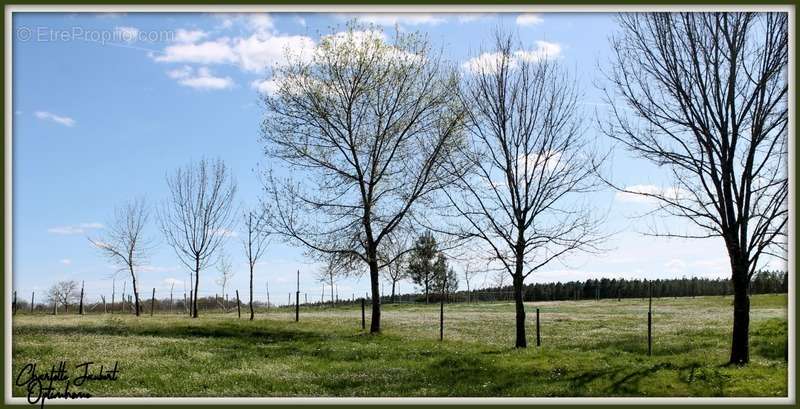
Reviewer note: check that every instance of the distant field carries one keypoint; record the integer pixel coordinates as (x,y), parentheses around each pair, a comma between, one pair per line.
(589,348)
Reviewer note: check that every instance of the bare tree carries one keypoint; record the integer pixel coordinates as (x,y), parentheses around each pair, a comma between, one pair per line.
(124,243)
(225,269)
(336,266)
(255,243)
(365,125)
(499,279)
(523,166)
(197,217)
(64,293)
(469,273)
(395,251)
(704,95)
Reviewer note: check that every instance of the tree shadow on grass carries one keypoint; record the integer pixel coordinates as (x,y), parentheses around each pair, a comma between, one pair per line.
(247,333)
(627,381)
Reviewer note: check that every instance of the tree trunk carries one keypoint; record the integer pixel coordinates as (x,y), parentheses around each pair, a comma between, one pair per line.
(375,324)
(135,291)
(196,282)
(740,345)
(394,282)
(252,312)
(521,342)
(426,290)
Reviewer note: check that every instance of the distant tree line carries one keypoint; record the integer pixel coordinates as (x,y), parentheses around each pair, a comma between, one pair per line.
(764,282)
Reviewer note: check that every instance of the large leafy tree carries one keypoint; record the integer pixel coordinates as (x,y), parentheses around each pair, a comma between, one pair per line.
(364,122)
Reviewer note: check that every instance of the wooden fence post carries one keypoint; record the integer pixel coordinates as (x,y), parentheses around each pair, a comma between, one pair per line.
(32,304)
(103,297)
(238,306)
(441,319)
(650,321)
(80,311)
(538,332)
(297,300)
(441,308)
(153,302)
(363,314)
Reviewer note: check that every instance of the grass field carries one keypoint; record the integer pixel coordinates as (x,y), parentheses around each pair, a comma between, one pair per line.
(589,348)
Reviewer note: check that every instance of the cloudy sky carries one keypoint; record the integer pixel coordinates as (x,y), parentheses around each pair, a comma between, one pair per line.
(105,104)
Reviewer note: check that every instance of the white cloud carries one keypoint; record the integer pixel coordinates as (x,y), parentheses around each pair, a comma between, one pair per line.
(256,53)
(225,233)
(529,19)
(217,51)
(157,269)
(269,86)
(189,36)
(490,62)
(47,116)
(471,17)
(202,78)
(391,19)
(65,261)
(261,23)
(179,73)
(675,266)
(548,160)
(93,225)
(543,50)
(717,265)
(638,193)
(170,281)
(127,34)
(75,229)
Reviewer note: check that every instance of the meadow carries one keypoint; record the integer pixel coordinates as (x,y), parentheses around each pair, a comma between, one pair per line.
(589,348)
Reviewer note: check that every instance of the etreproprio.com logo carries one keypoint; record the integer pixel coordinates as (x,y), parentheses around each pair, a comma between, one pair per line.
(102,36)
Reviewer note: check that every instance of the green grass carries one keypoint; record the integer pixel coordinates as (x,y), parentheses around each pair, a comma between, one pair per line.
(588,348)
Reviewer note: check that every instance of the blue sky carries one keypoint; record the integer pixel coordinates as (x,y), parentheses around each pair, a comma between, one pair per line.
(106,104)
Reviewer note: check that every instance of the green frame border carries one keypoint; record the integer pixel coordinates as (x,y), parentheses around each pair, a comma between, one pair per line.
(388,3)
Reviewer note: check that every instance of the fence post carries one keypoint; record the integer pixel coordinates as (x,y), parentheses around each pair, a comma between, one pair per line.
(238,305)
(441,319)
(297,300)
(81,305)
(102,297)
(444,295)
(650,321)
(363,315)
(538,332)
(32,304)
(14,304)
(153,302)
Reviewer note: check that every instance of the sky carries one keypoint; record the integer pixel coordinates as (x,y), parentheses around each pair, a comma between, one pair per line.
(105,105)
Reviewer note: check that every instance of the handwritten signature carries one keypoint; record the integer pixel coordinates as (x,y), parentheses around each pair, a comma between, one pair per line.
(45,385)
